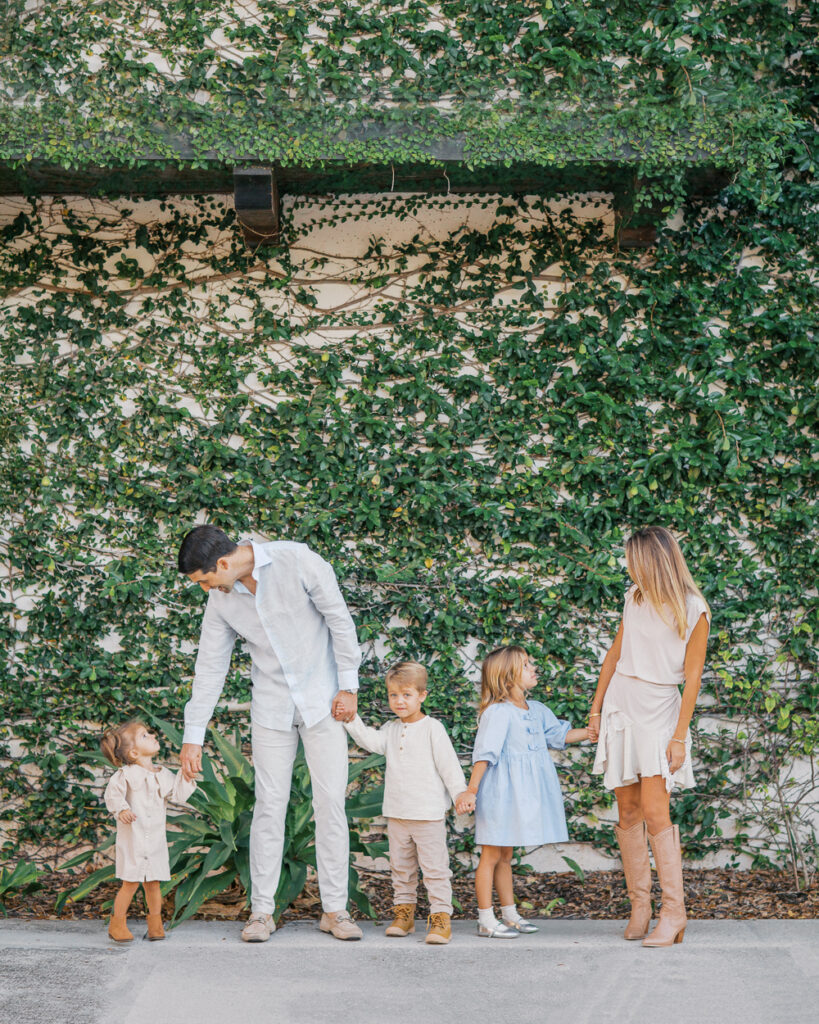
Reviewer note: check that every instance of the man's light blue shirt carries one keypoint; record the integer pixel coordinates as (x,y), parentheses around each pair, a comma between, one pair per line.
(298,631)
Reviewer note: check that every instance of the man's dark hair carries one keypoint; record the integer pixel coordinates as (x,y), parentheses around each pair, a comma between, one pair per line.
(202,547)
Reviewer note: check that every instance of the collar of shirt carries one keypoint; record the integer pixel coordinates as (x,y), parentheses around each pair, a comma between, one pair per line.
(260,559)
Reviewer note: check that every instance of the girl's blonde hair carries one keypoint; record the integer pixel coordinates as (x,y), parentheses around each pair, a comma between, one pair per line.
(116,743)
(658,568)
(501,670)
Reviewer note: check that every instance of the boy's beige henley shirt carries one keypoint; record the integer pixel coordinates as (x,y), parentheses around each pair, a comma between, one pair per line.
(423,770)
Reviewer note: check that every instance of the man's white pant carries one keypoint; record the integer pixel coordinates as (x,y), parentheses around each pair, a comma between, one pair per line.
(274,751)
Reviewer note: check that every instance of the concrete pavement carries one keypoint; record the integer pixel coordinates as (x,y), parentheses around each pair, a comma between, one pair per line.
(726,972)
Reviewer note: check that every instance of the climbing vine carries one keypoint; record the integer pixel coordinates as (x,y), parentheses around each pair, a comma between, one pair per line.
(121,83)
(464,403)
(466,423)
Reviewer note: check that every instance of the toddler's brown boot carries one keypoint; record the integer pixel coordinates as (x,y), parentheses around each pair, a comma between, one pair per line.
(404,920)
(155,929)
(118,929)
(439,929)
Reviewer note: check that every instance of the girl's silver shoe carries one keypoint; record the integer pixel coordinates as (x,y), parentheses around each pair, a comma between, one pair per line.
(500,931)
(522,926)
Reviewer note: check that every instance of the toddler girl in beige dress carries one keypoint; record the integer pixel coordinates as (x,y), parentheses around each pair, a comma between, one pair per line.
(136,795)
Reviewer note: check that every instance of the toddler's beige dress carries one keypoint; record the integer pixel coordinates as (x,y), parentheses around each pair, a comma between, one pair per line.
(642,703)
(142,847)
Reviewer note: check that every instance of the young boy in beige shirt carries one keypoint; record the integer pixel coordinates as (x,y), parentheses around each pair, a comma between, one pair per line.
(423,773)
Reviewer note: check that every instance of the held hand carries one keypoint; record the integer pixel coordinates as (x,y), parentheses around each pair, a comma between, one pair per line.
(594,728)
(127,817)
(191,758)
(345,706)
(675,755)
(465,802)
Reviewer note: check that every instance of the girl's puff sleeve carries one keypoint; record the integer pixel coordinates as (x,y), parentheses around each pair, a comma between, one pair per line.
(491,736)
(554,729)
(174,787)
(115,793)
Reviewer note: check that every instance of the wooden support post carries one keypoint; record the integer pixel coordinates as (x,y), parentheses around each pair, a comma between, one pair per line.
(258,210)
(634,230)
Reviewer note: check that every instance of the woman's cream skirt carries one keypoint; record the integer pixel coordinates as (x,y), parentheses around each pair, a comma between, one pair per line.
(637,722)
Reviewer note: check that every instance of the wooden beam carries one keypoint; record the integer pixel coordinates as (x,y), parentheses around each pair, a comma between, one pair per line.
(258,209)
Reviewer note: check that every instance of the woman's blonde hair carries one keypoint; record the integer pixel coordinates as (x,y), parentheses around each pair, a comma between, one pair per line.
(116,743)
(662,578)
(502,669)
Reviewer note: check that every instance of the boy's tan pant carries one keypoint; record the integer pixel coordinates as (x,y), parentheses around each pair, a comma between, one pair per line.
(415,844)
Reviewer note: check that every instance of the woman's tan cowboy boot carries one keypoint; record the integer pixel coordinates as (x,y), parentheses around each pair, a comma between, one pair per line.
(155,929)
(118,929)
(668,861)
(634,851)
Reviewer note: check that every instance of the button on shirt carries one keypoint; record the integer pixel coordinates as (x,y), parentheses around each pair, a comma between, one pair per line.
(298,631)
(423,770)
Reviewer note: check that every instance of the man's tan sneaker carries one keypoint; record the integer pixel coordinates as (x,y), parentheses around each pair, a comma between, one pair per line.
(341,925)
(259,928)
(404,920)
(439,929)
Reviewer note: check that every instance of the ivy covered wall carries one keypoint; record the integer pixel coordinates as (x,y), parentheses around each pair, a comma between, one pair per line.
(465,404)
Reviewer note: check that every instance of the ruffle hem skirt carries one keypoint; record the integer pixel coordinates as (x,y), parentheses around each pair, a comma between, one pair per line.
(637,722)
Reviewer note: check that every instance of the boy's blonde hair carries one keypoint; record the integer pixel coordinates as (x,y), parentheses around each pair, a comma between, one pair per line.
(117,742)
(658,568)
(501,670)
(411,672)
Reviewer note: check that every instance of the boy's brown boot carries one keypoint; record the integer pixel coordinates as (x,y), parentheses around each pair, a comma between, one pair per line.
(404,920)
(155,929)
(439,929)
(118,929)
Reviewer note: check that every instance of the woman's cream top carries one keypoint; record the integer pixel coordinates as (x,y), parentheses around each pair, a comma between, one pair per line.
(142,849)
(651,649)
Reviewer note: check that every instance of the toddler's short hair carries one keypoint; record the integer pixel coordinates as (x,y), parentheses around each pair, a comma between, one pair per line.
(411,672)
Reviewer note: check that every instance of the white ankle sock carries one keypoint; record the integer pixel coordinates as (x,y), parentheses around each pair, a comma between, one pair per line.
(510,913)
(487,918)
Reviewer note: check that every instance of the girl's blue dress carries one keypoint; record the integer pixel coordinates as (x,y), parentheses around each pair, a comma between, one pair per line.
(519,802)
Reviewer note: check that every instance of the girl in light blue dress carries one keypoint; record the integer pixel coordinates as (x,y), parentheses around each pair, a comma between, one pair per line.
(514,788)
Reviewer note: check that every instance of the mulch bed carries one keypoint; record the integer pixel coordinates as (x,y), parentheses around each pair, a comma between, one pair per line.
(741,895)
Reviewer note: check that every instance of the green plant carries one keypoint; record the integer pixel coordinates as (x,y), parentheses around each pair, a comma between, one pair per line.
(575,867)
(209,850)
(545,84)
(17,881)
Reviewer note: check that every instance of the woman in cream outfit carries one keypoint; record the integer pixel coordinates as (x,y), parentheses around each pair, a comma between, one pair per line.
(641,722)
